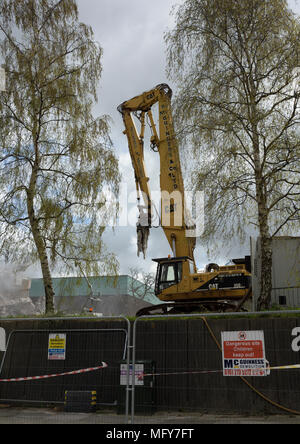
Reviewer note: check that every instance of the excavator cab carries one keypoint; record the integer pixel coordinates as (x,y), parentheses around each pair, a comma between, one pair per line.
(169,272)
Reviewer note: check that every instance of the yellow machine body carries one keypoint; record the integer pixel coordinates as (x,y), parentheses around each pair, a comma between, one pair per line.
(177,278)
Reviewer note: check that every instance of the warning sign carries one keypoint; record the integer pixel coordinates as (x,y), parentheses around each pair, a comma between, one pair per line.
(139,372)
(57,347)
(244,353)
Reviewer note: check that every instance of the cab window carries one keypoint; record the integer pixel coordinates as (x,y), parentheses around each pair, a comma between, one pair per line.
(171,274)
(168,273)
(192,269)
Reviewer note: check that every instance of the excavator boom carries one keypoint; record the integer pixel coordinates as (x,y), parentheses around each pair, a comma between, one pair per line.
(173,212)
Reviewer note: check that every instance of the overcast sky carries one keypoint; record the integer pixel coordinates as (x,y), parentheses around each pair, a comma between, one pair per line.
(131,35)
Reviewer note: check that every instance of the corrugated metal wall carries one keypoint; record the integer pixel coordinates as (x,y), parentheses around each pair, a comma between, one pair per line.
(286,271)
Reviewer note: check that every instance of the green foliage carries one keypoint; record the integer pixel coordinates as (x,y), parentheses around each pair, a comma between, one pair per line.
(237,111)
(236,65)
(56,158)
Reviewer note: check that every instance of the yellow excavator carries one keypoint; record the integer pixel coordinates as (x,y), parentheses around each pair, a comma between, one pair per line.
(179,285)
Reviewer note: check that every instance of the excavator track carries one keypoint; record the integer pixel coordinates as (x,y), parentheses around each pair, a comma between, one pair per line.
(185,307)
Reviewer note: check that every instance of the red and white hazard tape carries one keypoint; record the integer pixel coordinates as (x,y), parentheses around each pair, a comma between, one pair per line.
(104,365)
(196,372)
(75,372)
(285,367)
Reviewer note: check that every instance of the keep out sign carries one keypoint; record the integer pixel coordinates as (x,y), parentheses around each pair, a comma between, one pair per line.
(244,353)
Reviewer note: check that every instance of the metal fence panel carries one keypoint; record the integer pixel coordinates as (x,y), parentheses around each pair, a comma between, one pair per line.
(87,343)
(188,378)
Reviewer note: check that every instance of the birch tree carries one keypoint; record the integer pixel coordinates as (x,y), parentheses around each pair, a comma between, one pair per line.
(141,283)
(55,157)
(236,67)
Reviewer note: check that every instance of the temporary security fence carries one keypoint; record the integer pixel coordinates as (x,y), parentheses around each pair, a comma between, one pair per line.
(227,365)
(196,364)
(47,358)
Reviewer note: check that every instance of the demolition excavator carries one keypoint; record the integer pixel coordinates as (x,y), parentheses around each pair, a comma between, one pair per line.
(180,287)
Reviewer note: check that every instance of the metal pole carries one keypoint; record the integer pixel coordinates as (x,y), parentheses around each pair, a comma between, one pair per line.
(133,369)
(128,370)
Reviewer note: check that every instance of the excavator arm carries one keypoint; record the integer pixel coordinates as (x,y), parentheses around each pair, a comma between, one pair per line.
(173,214)
(178,284)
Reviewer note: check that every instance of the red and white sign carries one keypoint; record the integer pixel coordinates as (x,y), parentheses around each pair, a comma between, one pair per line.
(244,353)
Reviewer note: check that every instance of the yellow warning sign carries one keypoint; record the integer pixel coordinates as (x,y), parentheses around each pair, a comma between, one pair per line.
(57,347)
